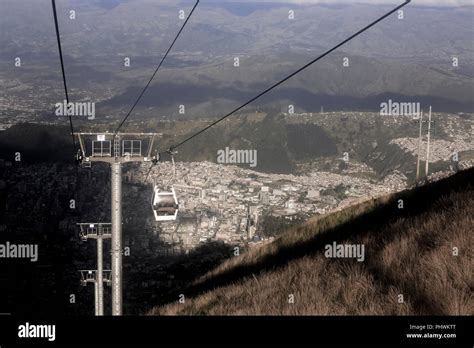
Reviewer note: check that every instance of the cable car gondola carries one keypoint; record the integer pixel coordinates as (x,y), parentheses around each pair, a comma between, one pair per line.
(165,205)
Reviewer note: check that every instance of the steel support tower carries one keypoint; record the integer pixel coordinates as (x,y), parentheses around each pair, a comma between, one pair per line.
(428,144)
(116,149)
(419,147)
(98,231)
(92,276)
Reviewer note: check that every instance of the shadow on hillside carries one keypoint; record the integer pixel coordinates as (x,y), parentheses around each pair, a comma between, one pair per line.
(37,143)
(160,280)
(416,202)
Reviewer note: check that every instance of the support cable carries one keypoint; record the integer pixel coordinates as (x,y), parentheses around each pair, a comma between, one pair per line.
(174,147)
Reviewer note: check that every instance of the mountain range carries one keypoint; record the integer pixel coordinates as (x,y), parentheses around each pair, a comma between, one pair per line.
(409,58)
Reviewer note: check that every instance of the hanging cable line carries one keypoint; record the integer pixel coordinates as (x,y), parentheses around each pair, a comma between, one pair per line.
(156,70)
(53,3)
(174,147)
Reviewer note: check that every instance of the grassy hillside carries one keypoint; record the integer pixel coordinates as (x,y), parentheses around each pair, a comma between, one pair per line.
(407,251)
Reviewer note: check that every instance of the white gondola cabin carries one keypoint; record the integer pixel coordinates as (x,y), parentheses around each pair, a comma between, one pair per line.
(165,205)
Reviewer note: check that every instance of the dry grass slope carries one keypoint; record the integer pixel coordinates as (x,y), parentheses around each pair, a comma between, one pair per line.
(408,251)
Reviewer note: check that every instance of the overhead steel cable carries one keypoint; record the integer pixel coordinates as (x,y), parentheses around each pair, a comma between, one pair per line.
(156,70)
(53,3)
(174,147)
(148,174)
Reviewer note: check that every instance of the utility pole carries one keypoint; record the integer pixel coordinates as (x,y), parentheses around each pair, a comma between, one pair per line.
(419,147)
(123,151)
(428,145)
(98,231)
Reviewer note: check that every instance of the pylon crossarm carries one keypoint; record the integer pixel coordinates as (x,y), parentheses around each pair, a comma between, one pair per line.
(88,276)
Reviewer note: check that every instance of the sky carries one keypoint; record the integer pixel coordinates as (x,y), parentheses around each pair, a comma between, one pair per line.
(441,3)
(436,3)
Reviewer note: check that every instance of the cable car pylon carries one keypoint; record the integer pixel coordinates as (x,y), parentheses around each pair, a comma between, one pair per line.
(98,231)
(103,153)
(116,149)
